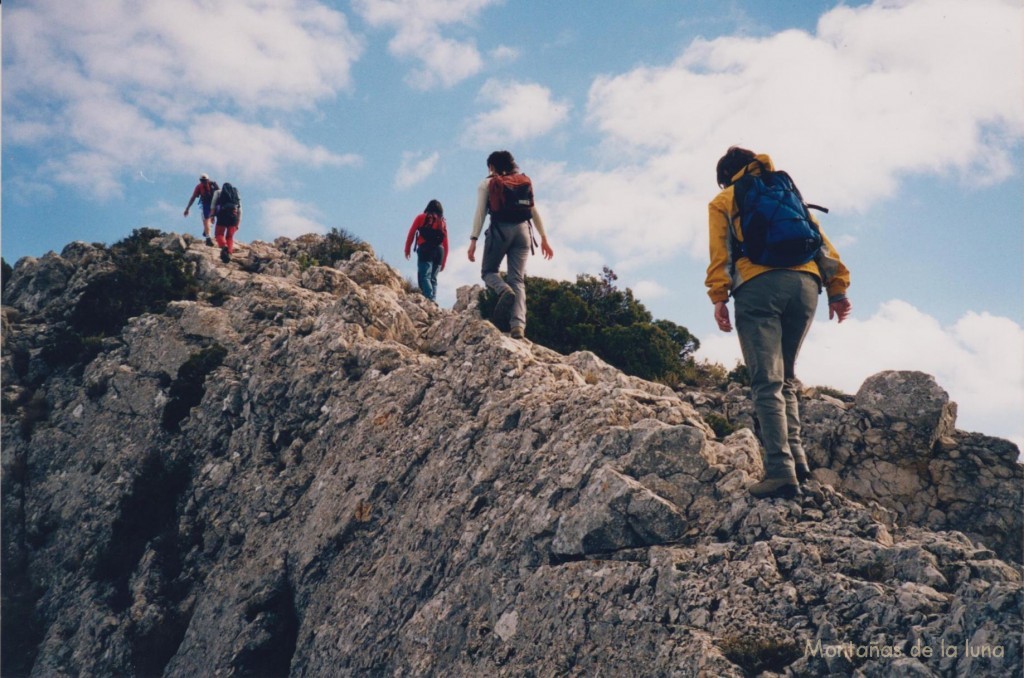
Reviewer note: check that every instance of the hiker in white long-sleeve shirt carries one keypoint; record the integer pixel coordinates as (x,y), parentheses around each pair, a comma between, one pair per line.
(507,195)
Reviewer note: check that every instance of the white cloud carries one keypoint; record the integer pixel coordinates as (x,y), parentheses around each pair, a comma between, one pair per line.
(649,290)
(415,168)
(878,92)
(116,86)
(504,53)
(289,218)
(286,54)
(225,143)
(978,360)
(443,60)
(521,111)
(643,210)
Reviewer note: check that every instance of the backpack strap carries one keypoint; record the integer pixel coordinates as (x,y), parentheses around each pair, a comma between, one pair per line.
(735,246)
(416,239)
(796,190)
(494,189)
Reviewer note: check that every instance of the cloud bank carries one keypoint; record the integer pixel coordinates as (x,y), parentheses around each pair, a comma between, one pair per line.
(418,26)
(878,92)
(290,218)
(521,111)
(121,86)
(415,168)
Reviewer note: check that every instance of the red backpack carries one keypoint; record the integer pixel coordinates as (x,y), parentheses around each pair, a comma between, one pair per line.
(510,197)
(433,230)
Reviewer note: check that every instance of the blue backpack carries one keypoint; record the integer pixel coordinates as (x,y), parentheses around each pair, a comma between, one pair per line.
(777,229)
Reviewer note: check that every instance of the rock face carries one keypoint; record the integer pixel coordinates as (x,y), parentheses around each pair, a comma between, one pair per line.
(895,444)
(311,471)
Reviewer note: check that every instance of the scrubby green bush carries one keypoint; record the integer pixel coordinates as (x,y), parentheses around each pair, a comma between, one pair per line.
(755,654)
(704,374)
(832,392)
(720,425)
(740,374)
(338,245)
(144,279)
(69,347)
(593,314)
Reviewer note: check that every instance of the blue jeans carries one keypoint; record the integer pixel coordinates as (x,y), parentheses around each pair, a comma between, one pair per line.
(427,266)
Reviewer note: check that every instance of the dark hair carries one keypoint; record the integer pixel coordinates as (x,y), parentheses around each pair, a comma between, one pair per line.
(502,162)
(733,161)
(434,207)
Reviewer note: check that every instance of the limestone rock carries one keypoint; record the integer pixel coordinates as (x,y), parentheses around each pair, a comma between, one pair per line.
(615,513)
(896,444)
(311,471)
(912,398)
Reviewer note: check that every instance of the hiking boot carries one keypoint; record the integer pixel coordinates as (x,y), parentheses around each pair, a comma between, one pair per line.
(225,256)
(782,488)
(803,473)
(209,242)
(517,333)
(502,314)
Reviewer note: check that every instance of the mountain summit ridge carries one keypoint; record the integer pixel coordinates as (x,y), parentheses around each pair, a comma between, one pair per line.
(310,470)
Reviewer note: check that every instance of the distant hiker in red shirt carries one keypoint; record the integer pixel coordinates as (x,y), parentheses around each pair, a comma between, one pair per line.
(431,235)
(226,208)
(204,190)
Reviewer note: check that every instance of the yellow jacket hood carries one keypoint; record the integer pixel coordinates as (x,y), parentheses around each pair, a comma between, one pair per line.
(760,163)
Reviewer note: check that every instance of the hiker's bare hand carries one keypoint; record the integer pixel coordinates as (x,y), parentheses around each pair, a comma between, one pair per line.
(840,308)
(186,211)
(722,317)
(472,250)
(545,249)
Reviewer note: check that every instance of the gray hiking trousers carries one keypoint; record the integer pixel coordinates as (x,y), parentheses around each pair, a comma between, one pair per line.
(513,241)
(774,311)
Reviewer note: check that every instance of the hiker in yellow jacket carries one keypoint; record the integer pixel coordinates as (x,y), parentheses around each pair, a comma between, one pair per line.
(774,310)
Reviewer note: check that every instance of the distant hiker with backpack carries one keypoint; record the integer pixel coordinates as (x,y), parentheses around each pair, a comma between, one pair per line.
(430,233)
(227,210)
(769,254)
(507,195)
(204,190)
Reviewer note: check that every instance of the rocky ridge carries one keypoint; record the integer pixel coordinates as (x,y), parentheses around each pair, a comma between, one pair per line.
(311,471)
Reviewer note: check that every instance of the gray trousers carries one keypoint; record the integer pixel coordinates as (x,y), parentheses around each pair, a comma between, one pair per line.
(774,311)
(513,241)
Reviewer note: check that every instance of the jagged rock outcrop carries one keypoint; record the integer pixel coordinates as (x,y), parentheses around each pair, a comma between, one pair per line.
(310,471)
(896,443)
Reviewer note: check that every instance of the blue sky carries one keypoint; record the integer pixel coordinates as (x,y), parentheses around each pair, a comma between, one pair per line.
(905,117)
